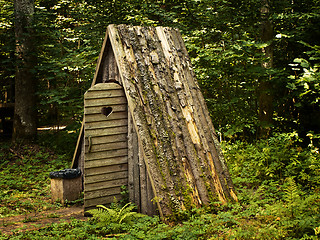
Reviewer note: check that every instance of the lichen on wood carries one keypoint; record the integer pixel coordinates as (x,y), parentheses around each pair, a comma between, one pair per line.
(174,130)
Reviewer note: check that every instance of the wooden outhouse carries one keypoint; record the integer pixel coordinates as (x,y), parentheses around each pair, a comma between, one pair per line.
(146,126)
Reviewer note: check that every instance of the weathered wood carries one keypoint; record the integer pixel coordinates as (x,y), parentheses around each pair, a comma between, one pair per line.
(65,189)
(100,117)
(106,131)
(165,185)
(131,155)
(106,169)
(172,154)
(185,134)
(210,135)
(81,158)
(92,203)
(105,101)
(106,146)
(108,139)
(190,110)
(114,183)
(136,168)
(98,78)
(100,93)
(169,114)
(110,69)
(139,186)
(107,124)
(78,149)
(94,179)
(106,162)
(135,102)
(102,193)
(151,208)
(115,108)
(143,183)
(106,155)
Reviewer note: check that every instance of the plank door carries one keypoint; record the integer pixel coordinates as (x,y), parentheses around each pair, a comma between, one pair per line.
(106,145)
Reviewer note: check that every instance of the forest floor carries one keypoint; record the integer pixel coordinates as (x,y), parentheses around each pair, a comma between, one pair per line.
(34,221)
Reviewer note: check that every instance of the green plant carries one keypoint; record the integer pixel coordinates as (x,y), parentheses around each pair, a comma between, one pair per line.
(273,159)
(291,196)
(114,216)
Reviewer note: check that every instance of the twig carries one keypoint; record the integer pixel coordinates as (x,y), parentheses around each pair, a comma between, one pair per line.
(16,154)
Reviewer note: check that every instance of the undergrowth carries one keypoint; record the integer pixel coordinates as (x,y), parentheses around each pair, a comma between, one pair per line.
(277,183)
(24,181)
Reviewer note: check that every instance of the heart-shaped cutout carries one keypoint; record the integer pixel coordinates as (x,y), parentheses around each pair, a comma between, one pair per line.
(106,111)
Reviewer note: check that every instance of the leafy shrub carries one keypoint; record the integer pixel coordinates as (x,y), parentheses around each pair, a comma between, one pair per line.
(273,159)
(278,185)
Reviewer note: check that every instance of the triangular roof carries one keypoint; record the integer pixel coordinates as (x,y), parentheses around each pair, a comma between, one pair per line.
(179,145)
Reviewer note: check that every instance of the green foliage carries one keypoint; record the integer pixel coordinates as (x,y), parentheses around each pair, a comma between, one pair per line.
(76,229)
(304,86)
(114,218)
(7,68)
(61,141)
(274,159)
(225,47)
(24,182)
(278,183)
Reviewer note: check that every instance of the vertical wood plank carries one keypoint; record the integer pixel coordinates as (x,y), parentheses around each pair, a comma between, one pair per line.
(130,160)
(136,169)
(110,72)
(143,183)
(151,207)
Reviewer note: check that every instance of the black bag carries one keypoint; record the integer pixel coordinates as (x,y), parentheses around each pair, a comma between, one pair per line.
(66,173)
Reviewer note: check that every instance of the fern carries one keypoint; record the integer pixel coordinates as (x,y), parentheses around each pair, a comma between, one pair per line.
(116,215)
(292,196)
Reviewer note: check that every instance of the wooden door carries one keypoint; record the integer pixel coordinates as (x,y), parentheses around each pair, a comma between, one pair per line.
(106,144)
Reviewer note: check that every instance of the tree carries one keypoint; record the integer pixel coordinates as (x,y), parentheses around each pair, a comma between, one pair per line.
(24,124)
(265,98)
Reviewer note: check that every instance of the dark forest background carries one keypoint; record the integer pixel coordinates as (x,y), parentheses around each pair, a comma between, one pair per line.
(256,61)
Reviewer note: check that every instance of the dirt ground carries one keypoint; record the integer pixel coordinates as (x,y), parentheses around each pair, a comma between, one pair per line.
(36,221)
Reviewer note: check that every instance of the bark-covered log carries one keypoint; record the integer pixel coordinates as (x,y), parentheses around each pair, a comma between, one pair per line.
(176,137)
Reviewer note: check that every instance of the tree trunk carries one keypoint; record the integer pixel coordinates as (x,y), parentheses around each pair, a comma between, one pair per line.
(265,95)
(24,126)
